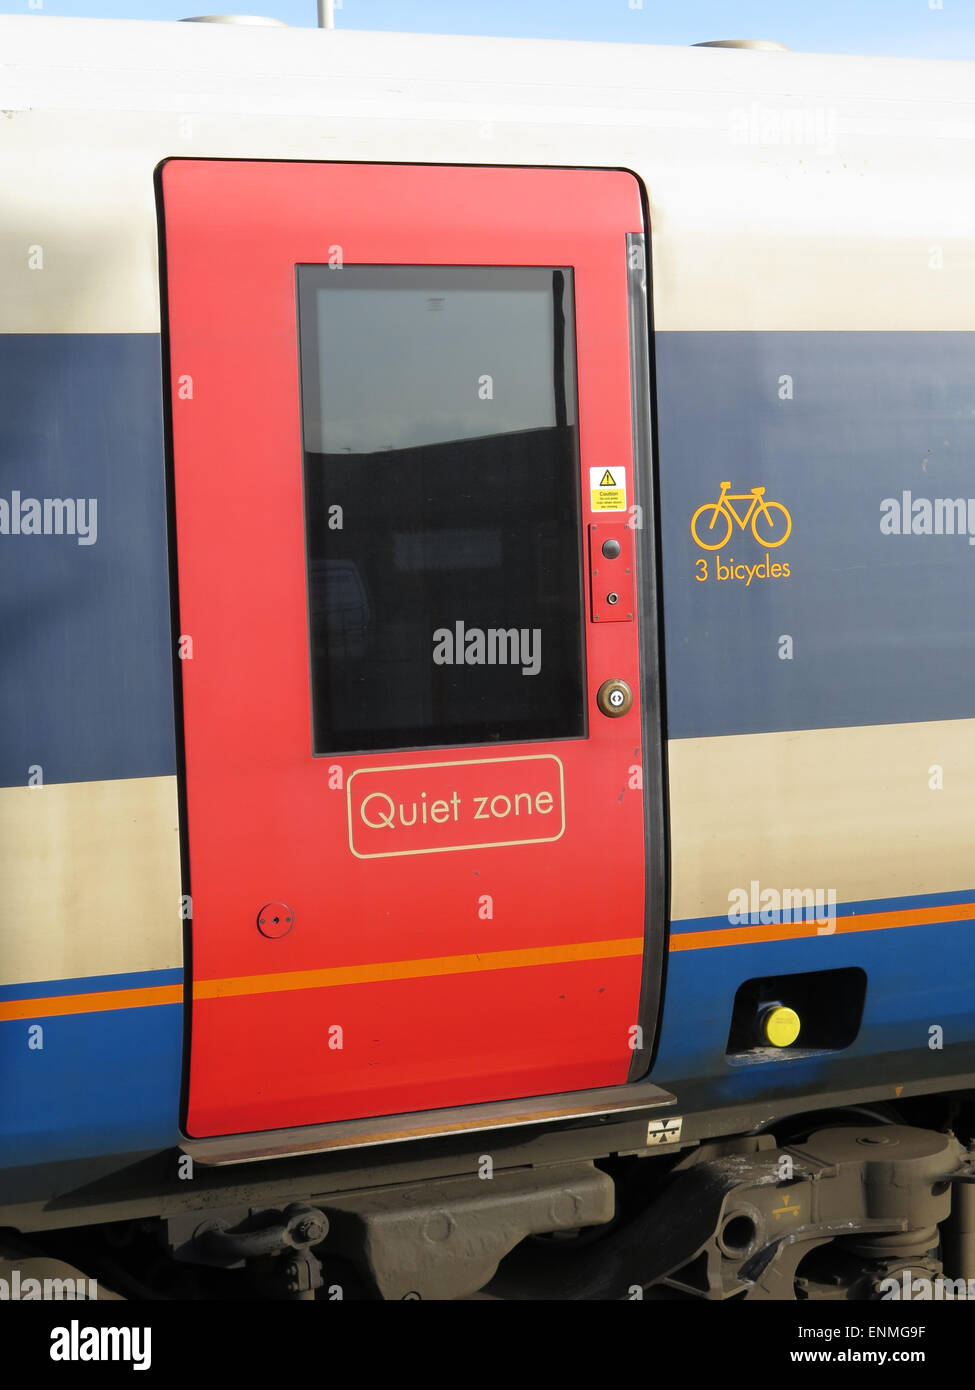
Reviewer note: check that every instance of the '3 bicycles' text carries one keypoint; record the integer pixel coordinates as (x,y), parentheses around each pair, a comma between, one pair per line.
(728,570)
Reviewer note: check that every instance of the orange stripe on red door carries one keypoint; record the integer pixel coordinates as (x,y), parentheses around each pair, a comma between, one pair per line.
(418,969)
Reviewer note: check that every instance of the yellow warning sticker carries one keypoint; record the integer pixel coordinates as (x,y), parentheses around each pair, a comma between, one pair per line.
(608,489)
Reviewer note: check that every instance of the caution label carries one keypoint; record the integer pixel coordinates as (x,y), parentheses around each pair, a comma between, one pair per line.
(608,489)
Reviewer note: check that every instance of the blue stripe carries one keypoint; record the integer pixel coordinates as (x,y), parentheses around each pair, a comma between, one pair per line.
(912,983)
(86,669)
(850,909)
(91,984)
(103,1083)
(881,625)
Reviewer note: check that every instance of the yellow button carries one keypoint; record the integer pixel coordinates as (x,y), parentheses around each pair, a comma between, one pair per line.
(781,1026)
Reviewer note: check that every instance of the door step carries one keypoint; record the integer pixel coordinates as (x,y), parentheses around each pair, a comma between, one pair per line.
(609,1102)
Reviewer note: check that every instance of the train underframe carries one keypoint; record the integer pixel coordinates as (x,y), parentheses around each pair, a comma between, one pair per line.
(873,1199)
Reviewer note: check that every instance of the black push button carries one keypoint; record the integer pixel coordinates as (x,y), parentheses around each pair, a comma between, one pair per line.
(611,549)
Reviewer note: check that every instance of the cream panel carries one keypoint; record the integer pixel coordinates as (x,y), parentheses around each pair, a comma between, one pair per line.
(788,191)
(847,809)
(90,877)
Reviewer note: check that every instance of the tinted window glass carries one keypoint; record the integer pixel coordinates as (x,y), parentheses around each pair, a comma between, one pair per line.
(441,505)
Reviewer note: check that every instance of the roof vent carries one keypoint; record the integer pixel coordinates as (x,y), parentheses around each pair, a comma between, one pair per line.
(768,44)
(231,19)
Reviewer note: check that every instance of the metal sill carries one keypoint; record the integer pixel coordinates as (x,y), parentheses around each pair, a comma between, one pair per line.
(608,1103)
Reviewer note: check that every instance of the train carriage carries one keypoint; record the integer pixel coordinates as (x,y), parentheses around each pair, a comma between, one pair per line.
(488,747)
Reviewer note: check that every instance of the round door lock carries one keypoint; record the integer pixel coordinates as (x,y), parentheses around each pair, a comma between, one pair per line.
(275,919)
(614,698)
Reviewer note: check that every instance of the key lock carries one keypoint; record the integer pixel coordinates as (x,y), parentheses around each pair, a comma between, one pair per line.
(612,589)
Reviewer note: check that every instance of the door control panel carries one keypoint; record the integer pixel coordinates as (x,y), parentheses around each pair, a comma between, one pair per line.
(611,584)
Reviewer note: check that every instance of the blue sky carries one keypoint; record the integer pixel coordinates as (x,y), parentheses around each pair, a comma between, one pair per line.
(922,28)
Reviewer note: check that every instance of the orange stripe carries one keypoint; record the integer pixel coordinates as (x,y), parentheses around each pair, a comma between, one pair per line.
(417,969)
(459,965)
(871,921)
(91,1003)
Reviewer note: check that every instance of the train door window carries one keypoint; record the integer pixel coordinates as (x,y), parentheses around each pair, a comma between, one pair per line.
(442,505)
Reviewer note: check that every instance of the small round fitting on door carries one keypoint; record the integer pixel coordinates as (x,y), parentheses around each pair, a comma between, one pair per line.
(614,698)
(275,919)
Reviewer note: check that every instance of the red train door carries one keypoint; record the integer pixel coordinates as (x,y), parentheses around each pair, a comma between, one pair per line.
(403,465)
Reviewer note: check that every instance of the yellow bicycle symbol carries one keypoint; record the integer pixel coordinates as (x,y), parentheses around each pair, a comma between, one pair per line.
(758,510)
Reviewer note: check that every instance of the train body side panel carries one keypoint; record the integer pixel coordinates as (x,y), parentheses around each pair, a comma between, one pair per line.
(91,958)
(815,324)
(821,692)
